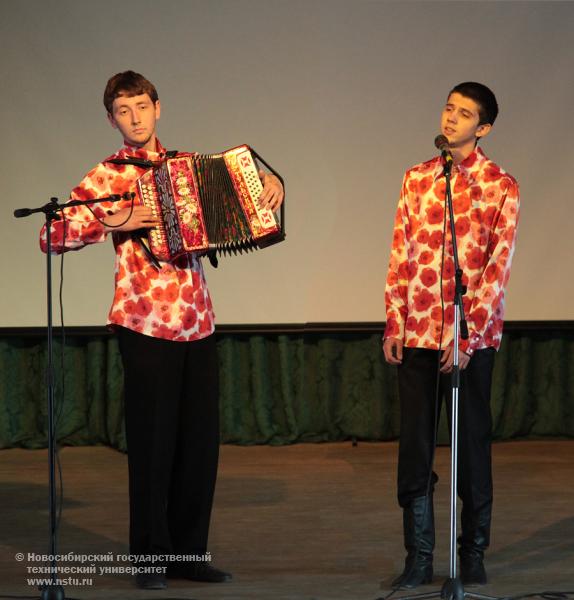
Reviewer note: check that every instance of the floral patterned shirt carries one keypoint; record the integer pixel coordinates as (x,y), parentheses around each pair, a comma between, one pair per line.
(172,302)
(486,206)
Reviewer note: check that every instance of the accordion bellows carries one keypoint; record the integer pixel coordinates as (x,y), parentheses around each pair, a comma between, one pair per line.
(208,202)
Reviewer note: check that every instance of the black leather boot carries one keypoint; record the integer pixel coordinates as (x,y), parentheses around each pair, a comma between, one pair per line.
(474,540)
(418,531)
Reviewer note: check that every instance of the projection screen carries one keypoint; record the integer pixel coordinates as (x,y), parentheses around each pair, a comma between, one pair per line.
(340,96)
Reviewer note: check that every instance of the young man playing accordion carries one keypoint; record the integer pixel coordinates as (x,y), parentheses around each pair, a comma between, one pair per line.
(165,326)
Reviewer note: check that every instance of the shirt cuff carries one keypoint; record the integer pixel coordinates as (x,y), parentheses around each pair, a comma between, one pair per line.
(393,329)
(471,344)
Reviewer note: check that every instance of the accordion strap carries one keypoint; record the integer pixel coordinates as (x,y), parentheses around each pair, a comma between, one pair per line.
(212,256)
(138,237)
(142,162)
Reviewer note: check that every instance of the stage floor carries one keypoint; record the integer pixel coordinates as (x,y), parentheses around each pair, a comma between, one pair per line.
(309,521)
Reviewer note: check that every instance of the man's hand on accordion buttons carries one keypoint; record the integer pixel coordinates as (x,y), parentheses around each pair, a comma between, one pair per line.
(141,217)
(272,194)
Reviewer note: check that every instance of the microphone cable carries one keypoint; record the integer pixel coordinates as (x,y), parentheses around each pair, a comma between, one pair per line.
(59,406)
(58,415)
(102,222)
(60,400)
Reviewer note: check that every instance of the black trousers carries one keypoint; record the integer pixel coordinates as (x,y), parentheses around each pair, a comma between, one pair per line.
(172,430)
(417,390)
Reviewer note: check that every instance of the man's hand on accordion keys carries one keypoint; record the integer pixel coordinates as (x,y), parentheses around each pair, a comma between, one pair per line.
(272,194)
(141,217)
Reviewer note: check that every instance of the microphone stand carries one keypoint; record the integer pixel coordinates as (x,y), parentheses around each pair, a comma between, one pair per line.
(452,588)
(54,591)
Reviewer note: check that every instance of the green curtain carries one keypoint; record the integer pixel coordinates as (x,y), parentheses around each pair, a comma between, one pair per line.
(280,389)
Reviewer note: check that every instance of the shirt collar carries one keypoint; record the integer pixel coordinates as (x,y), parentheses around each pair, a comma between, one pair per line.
(133,151)
(468,168)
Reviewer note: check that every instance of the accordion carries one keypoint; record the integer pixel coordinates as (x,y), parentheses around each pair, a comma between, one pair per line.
(208,202)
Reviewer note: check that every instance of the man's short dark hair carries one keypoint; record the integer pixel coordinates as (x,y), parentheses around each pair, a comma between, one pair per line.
(483,96)
(127,84)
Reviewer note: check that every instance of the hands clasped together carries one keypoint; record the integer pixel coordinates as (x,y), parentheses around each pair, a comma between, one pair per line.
(393,351)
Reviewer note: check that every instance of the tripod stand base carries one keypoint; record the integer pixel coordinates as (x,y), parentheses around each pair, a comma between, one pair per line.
(52,592)
(452,589)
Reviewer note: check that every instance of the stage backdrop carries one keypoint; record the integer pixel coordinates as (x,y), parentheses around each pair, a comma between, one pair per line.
(341,96)
(279,388)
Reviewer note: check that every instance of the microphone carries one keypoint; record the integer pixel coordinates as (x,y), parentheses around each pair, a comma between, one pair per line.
(442,144)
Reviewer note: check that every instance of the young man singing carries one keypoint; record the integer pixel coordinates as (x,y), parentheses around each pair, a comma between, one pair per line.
(165,326)
(419,333)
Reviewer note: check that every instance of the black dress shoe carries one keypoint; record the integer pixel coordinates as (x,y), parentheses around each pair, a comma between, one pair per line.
(472,571)
(198,571)
(151,581)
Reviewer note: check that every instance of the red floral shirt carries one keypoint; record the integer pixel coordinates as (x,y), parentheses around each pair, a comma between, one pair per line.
(486,205)
(173,302)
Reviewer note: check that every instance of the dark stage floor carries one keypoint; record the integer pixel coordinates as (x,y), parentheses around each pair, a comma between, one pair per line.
(311,521)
